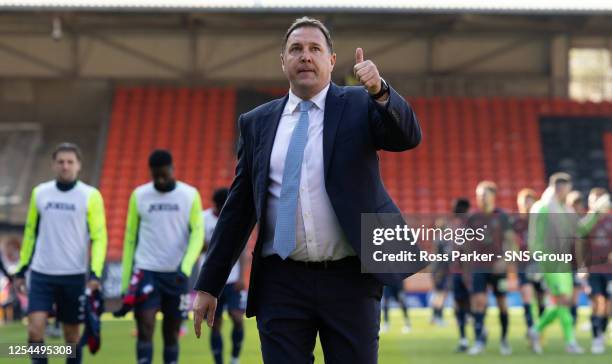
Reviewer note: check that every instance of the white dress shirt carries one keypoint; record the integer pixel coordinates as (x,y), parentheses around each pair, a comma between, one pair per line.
(319,236)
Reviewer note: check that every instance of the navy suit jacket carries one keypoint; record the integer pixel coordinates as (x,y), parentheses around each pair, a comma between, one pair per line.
(355,127)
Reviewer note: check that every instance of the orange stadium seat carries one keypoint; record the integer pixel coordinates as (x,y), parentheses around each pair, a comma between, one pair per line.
(197,125)
(608,151)
(465,140)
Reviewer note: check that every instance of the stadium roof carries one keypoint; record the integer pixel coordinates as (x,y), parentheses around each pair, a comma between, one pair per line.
(422,6)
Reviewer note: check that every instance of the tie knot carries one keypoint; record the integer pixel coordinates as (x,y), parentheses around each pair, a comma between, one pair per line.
(305,105)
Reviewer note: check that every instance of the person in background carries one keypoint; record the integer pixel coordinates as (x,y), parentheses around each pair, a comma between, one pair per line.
(396,293)
(233,297)
(529,278)
(596,254)
(164,236)
(498,238)
(552,229)
(64,247)
(576,205)
(460,273)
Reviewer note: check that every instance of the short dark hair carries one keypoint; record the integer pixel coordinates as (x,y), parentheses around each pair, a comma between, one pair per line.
(308,22)
(160,158)
(67,147)
(219,197)
(559,178)
(461,205)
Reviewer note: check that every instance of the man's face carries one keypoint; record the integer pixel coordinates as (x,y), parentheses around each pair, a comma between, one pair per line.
(593,196)
(307,61)
(66,166)
(526,203)
(578,206)
(529,201)
(485,199)
(162,177)
(563,189)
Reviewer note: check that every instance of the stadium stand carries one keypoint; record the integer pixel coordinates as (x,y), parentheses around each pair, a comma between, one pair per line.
(197,125)
(572,136)
(47,110)
(467,140)
(18,145)
(608,151)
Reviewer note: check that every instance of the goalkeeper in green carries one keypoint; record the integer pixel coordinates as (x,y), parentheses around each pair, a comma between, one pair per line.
(553,228)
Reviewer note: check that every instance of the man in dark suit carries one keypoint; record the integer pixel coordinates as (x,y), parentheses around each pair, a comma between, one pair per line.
(307,168)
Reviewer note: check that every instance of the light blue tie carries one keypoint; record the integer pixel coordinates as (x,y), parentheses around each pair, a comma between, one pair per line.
(284,232)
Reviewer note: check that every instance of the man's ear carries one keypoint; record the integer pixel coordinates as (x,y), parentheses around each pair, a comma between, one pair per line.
(333,60)
(282,62)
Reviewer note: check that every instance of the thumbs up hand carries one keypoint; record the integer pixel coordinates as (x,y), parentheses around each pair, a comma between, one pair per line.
(366,73)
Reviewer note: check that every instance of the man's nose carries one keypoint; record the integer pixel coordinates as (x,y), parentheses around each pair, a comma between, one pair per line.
(306,57)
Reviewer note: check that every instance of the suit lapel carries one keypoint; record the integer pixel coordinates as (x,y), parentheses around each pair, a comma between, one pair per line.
(334,105)
(270,122)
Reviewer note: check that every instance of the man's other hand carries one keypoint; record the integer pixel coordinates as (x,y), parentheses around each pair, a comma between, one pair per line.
(204,306)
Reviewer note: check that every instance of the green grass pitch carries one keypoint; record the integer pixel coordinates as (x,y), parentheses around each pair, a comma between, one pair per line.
(425,344)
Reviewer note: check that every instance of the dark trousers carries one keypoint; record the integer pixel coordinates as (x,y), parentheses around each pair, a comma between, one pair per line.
(295,302)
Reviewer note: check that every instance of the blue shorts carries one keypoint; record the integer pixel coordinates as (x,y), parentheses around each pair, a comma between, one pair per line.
(497,281)
(440,280)
(460,291)
(170,294)
(394,292)
(230,299)
(601,284)
(522,278)
(67,292)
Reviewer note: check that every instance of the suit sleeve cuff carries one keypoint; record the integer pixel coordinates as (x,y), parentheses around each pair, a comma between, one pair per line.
(383,104)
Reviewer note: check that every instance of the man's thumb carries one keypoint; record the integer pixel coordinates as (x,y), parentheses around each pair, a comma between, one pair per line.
(358,55)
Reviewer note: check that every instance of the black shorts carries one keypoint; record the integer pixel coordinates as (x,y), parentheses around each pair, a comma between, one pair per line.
(169,294)
(601,284)
(460,291)
(526,278)
(497,281)
(522,278)
(440,278)
(394,292)
(66,291)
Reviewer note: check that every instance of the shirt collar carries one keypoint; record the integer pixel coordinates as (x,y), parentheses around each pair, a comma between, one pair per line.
(65,186)
(318,100)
